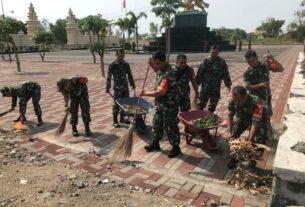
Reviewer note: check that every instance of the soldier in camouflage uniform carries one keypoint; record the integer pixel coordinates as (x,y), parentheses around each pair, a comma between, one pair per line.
(75,89)
(25,91)
(257,79)
(249,113)
(165,94)
(119,70)
(211,72)
(185,74)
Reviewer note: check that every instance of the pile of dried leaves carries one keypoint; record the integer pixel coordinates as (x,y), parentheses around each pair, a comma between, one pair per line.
(246,151)
(244,177)
(132,109)
(254,180)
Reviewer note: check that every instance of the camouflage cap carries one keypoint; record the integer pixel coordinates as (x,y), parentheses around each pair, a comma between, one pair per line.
(5,90)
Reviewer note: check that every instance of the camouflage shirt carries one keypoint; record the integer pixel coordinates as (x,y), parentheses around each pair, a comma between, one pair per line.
(166,81)
(78,86)
(212,71)
(120,72)
(256,75)
(183,78)
(252,111)
(23,91)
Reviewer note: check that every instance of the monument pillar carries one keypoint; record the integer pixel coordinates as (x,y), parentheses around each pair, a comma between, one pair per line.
(33,23)
(72,29)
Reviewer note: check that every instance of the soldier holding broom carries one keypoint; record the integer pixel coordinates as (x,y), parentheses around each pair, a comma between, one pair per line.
(165,94)
(75,89)
(119,70)
(25,91)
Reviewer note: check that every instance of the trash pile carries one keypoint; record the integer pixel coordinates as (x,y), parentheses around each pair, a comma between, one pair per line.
(205,122)
(245,176)
(132,109)
(246,151)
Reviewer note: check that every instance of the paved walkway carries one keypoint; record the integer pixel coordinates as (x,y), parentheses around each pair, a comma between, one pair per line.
(195,175)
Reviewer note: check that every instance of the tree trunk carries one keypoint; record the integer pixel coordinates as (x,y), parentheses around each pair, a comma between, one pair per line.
(137,38)
(124,41)
(102,63)
(2,54)
(42,53)
(16,57)
(9,52)
(168,43)
(94,58)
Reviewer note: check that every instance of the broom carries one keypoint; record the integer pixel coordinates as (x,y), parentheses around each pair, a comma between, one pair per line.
(123,149)
(62,126)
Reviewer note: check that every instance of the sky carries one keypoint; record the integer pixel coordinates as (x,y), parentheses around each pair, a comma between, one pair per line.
(244,14)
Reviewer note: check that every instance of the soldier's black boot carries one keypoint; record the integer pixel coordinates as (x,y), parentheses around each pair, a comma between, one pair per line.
(18,119)
(39,121)
(87,130)
(154,146)
(115,121)
(123,120)
(74,131)
(174,152)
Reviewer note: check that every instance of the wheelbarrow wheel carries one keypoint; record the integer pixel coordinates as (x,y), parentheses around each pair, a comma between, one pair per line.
(140,125)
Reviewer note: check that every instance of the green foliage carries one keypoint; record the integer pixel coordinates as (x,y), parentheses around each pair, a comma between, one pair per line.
(231,34)
(296,29)
(154,30)
(271,27)
(59,31)
(43,37)
(166,9)
(8,26)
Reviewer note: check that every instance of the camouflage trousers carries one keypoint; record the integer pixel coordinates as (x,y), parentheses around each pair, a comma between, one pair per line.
(209,94)
(35,95)
(166,119)
(262,130)
(81,101)
(119,94)
(184,102)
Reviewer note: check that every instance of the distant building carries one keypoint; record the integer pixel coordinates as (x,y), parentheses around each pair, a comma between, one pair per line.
(75,38)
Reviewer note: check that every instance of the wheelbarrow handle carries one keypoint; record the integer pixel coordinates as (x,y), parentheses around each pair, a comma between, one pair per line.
(134,92)
(111,95)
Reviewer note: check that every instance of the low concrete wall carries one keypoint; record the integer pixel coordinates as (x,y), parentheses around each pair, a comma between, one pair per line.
(289,165)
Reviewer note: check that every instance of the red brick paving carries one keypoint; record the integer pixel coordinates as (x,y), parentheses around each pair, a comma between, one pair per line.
(194,159)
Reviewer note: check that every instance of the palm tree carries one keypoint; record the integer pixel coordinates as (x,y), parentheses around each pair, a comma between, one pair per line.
(122,24)
(135,19)
(166,9)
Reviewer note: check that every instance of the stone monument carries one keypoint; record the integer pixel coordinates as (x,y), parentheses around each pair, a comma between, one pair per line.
(190,33)
(33,23)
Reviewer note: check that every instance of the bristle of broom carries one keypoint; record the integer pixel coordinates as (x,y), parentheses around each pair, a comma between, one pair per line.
(62,126)
(123,148)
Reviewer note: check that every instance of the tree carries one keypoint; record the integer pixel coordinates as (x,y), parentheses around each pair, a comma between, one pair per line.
(122,23)
(135,19)
(45,25)
(296,29)
(166,9)
(231,34)
(43,38)
(86,24)
(98,27)
(154,30)
(9,26)
(59,31)
(271,27)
